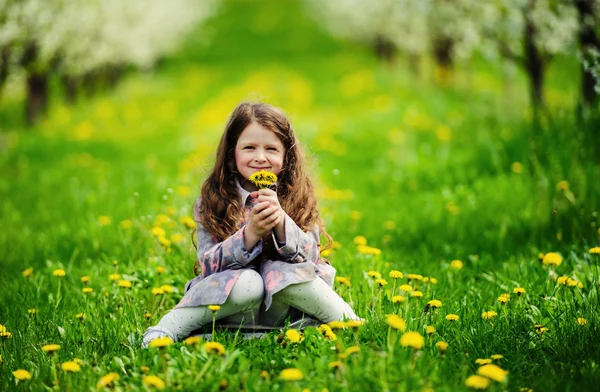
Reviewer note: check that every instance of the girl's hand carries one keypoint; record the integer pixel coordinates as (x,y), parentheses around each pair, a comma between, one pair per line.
(268,195)
(263,218)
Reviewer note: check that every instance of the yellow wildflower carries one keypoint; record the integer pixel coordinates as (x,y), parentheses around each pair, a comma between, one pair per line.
(59,272)
(70,366)
(291,374)
(359,240)
(477,382)
(381,282)
(80,316)
(562,280)
(581,321)
(552,258)
(28,272)
(416,294)
(107,380)
(188,222)
(368,250)
(433,280)
(104,220)
(214,347)
(214,308)
(353,323)
(326,331)
(456,264)
(396,322)
(144,369)
(374,274)
(519,291)
(154,381)
(336,365)
(148,316)
(293,335)
(158,291)
(192,340)
(22,374)
(443,346)
(161,342)
(414,277)
(397,299)
(336,324)
(430,329)
(504,298)
(177,238)
(160,269)
(343,280)
(114,276)
(50,348)
(167,288)
(412,339)
(85,279)
(452,317)
(32,311)
(158,231)
(164,241)
(406,288)
(87,290)
(488,315)
(126,224)
(541,330)
(396,274)
(595,250)
(497,356)
(493,372)
(435,303)
(124,284)
(516,167)
(562,185)
(483,361)
(263,179)
(425,279)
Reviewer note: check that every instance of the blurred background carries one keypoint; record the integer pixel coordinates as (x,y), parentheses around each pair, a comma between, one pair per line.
(437,128)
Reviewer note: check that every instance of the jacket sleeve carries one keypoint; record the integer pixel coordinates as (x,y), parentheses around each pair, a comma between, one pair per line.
(215,256)
(299,246)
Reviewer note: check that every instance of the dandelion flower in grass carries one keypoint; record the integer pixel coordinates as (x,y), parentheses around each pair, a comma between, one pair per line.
(87,290)
(477,382)
(144,369)
(336,324)
(59,272)
(456,264)
(158,231)
(188,222)
(126,224)
(581,321)
(343,280)
(70,366)
(595,250)
(192,340)
(397,299)
(483,361)
(519,291)
(104,220)
(368,250)
(552,258)
(154,382)
(433,280)
(504,298)
(412,339)
(425,279)
(214,347)
(164,241)
(167,288)
(293,335)
(326,331)
(32,312)
(353,323)
(452,317)
(124,284)
(114,277)
(336,365)
(374,274)
(160,269)
(493,372)
(291,374)
(430,329)
(381,282)
(541,330)
(414,277)
(359,240)
(396,274)
(161,342)
(214,308)
(489,314)
(264,374)
(443,346)
(85,279)
(148,316)
(107,380)
(435,303)
(396,322)
(80,316)
(28,272)
(352,350)
(263,179)
(406,288)
(22,374)
(416,294)
(50,348)
(158,291)
(562,185)
(495,357)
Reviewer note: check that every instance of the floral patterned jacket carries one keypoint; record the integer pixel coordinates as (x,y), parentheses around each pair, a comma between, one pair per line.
(295,261)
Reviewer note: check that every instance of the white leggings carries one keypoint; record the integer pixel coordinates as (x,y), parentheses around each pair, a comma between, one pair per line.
(243,306)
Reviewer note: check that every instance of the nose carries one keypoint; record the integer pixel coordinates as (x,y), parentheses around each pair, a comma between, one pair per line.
(260,156)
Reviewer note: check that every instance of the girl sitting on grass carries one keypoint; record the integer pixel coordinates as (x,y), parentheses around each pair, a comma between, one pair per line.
(258,249)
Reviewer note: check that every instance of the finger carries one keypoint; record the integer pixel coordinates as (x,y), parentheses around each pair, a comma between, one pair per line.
(259,207)
(266,192)
(267,212)
(254,194)
(270,199)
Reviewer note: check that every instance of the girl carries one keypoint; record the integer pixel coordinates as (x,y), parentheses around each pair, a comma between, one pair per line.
(258,250)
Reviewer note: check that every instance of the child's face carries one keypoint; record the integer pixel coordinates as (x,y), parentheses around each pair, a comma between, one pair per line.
(258,149)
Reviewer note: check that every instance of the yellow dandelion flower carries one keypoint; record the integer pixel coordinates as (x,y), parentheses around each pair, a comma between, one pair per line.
(396,322)
(483,361)
(452,317)
(504,298)
(160,269)
(50,348)
(496,356)
(263,179)
(572,282)
(22,374)
(595,250)
(104,220)
(353,323)
(158,231)
(425,279)
(456,264)
(519,290)
(352,350)
(493,372)
(433,280)
(126,224)
(477,382)
(33,311)
(562,185)
(429,330)
(154,382)
(167,288)
(164,241)
(85,279)
(406,288)
(87,290)
(541,330)
(381,282)
(192,340)
(144,369)
(416,294)
(581,321)
(114,277)
(161,342)
(516,167)
(107,380)
(124,284)
(78,361)
(359,240)
(336,324)
(293,335)
(214,347)
(414,277)
(214,308)
(148,316)
(412,339)
(188,222)
(396,274)
(374,274)
(397,299)
(552,258)
(291,374)
(343,280)
(562,280)
(80,316)
(177,238)
(59,272)
(336,365)
(158,291)
(435,303)
(326,331)
(443,346)
(368,250)
(264,374)
(28,272)
(488,315)
(70,366)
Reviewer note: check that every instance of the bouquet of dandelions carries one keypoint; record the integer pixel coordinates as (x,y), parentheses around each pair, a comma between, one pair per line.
(264,179)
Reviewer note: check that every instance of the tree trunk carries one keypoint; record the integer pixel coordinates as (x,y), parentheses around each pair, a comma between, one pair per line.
(534,64)
(588,40)
(385,49)
(71,88)
(37,97)
(442,52)
(4,63)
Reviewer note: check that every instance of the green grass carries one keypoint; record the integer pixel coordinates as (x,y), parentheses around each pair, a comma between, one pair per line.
(380,151)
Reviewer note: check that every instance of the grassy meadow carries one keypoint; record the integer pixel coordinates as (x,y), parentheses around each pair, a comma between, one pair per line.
(453,184)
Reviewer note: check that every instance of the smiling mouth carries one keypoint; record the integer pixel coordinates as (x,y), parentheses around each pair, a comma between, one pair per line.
(260,168)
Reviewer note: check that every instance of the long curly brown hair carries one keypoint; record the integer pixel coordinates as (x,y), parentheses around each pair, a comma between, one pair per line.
(220,206)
